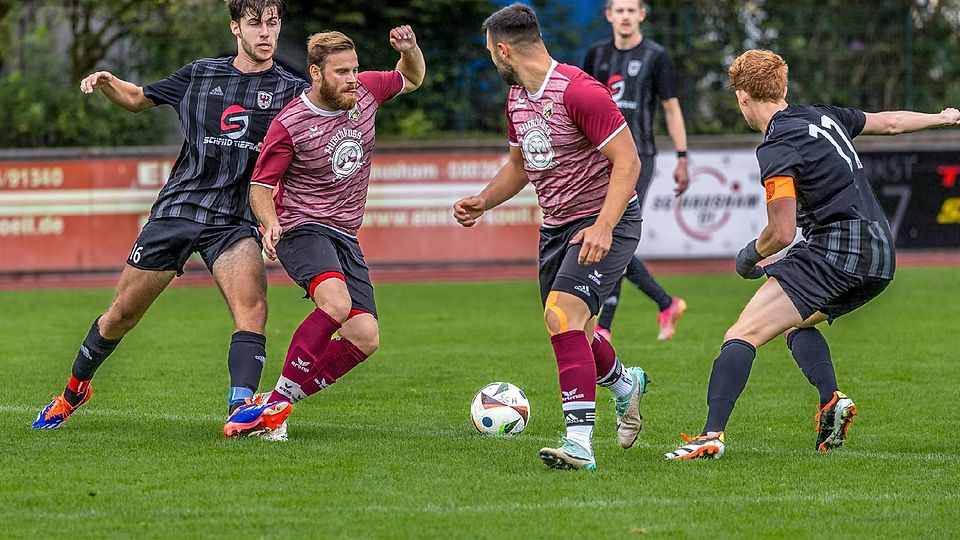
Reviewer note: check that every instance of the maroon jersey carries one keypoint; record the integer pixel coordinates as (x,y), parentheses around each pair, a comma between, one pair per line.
(321,159)
(561,129)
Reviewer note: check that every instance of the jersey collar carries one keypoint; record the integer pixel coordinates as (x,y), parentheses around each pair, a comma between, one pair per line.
(318,110)
(543,87)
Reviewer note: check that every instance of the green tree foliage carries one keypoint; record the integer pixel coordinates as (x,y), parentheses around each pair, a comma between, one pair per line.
(53,44)
(872,54)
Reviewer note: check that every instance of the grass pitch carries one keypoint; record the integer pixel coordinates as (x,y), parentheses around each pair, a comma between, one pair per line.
(390,452)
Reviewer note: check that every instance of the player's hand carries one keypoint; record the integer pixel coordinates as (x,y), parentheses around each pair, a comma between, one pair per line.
(403,39)
(951,116)
(681,176)
(469,209)
(270,238)
(595,243)
(95,81)
(747,261)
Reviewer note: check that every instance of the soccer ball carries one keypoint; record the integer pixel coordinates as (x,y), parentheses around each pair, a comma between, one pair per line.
(500,409)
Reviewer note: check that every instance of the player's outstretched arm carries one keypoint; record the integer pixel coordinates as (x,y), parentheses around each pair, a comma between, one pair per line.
(897,122)
(411,64)
(123,93)
(509,180)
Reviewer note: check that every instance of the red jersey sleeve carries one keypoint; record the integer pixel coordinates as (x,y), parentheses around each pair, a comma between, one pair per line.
(383,85)
(275,156)
(589,104)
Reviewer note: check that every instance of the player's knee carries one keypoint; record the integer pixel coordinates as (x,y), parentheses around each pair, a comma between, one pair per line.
(555,318)
(368,341)
(118,320)
(336,307)
(251,316)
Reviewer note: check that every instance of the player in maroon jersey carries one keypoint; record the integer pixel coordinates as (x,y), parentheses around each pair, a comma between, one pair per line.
(309,190)
(569,139)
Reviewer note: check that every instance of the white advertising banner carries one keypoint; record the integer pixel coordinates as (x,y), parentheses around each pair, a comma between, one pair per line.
(722,210)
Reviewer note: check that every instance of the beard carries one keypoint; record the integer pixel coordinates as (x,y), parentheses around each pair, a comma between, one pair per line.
(339,100)
(508,74)
(253,52)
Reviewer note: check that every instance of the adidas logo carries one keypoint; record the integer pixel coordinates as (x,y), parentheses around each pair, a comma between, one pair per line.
(300,364)
(583,289)
(216,92)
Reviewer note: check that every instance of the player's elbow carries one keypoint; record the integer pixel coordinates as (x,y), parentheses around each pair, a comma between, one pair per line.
(784,237)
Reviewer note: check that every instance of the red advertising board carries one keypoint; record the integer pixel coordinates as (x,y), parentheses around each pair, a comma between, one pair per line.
(84,214)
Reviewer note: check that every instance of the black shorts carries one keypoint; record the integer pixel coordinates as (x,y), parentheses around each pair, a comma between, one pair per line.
(560,271)
(309,250)
(813,284)
(167,243)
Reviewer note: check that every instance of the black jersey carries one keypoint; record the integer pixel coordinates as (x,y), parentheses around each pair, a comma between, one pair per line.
(224,114)
(638,78)
(836,208)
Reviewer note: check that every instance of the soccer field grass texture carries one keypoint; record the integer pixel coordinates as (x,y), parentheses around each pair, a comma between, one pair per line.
(390,452)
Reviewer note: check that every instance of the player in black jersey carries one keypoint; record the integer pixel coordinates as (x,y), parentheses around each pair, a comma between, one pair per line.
(225,106)
(639,73)
(813,179)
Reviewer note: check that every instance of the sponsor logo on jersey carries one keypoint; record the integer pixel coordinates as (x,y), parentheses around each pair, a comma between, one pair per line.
(537,149)
(234,121)
(264,99)
(346,152)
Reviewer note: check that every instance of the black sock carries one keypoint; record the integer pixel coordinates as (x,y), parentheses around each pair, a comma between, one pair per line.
(248,354)
(94,350)
(638,274)
(610,306)
(729,376)
(812,354)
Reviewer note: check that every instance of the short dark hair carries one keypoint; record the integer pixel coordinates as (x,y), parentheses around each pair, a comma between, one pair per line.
(239,8)
(515,24)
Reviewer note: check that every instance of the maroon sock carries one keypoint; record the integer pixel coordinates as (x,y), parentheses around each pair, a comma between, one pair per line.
(604,356)
(341,356)
(307,346)
(578,382)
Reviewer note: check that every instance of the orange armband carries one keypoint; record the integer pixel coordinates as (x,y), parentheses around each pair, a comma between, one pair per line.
(779,187)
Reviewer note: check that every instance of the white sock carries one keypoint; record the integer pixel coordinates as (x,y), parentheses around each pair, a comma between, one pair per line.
(623,385)
(581,435)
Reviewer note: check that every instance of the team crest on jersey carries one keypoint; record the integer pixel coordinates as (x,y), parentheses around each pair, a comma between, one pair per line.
(264,99)
(547,108)
(354,113)
(633,67)
(537,149)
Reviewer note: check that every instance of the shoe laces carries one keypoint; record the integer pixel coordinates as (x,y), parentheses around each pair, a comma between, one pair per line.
(699,438)
(60,407)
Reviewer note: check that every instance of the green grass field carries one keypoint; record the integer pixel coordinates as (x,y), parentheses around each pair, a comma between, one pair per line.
(390,452)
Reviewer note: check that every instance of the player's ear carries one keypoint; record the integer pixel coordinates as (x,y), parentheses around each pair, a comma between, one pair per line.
(504,50)
(235,28)
(315,72)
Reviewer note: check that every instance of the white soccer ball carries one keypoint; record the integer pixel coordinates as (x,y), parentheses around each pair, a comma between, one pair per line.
(500,408)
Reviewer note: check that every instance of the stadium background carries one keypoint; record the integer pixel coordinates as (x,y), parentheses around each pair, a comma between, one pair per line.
(79,174)
(391,454)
